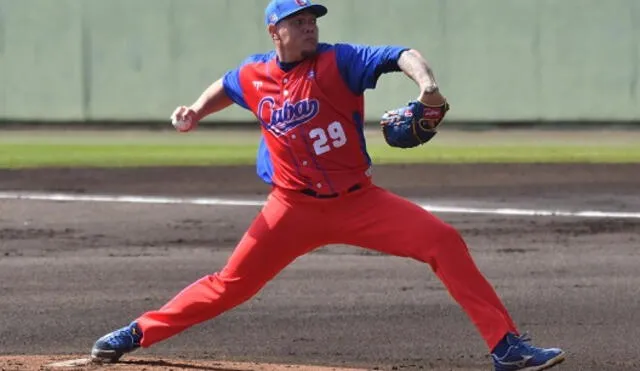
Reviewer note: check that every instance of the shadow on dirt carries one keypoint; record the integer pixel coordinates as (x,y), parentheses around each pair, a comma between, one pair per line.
(179,365)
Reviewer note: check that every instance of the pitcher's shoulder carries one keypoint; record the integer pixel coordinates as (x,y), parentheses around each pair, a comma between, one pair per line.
(259,58)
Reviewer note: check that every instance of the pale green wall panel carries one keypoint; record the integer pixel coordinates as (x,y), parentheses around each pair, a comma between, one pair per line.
(495,59)
(40,60)
(634,73)
(231,30)
(147,59)
(4,62)
(491,59)
(131,72)
(587,60)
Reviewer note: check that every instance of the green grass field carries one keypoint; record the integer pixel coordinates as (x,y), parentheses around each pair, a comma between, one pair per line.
(19,149)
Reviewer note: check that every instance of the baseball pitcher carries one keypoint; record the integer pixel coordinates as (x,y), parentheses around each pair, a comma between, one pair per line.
(308,98)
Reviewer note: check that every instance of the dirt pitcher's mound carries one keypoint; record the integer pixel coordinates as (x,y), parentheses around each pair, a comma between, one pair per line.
(80,363)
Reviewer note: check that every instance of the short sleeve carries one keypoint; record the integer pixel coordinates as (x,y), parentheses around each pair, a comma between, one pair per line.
(361,65)
(231,80)
(233,88)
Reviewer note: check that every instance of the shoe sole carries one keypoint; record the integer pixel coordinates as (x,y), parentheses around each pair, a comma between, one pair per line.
(550,363)
(108,356)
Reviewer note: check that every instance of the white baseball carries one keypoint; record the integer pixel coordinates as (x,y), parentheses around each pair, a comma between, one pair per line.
(180,124)
(178,119)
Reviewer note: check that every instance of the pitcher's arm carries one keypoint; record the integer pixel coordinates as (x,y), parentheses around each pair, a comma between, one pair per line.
(212,99)
(416,67)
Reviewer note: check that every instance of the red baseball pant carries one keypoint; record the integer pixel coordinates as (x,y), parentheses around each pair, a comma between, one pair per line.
(292,224)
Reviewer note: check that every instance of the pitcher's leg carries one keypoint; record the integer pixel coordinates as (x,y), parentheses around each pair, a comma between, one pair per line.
(453,264)
(397,226)
(265,249)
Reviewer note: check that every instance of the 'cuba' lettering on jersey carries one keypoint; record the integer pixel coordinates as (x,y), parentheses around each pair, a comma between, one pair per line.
(280,120)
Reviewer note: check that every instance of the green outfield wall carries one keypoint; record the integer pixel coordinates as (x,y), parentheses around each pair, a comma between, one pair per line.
(496,60)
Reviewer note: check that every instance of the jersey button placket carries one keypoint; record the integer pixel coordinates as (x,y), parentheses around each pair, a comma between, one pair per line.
(285,91)
(293,142)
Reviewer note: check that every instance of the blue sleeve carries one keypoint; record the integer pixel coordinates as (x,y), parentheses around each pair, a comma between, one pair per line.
(231,79)
(232,87)
(362,65)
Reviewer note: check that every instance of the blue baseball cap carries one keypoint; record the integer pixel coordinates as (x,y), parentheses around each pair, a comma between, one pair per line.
(278,10)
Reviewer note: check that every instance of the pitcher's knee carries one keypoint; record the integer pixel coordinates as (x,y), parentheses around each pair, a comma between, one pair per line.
(445,246)
(232,290)
(448,238)
(437,240)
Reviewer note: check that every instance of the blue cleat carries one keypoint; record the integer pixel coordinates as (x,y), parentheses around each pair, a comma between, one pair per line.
(112,346)
(520,355)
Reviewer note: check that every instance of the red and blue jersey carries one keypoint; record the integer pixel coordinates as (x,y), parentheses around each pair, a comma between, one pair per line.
(312,113)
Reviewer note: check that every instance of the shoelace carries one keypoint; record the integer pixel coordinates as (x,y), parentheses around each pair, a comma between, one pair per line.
(525,338)
(120,338)
(524,341)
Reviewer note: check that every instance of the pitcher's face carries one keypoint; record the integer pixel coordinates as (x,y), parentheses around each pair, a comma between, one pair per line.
(298,34)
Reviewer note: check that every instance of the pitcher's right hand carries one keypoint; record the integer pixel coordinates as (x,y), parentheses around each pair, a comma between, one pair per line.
(184,119)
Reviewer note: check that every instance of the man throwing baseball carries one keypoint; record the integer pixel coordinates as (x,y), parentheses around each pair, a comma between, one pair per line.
(308,98)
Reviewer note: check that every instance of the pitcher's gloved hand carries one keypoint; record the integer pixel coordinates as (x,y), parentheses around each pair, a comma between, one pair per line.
(413,124)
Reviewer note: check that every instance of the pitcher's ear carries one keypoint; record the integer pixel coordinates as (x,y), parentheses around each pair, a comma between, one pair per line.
(272,30)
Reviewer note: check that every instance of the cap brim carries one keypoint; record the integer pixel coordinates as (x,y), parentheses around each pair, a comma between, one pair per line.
(317,10)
